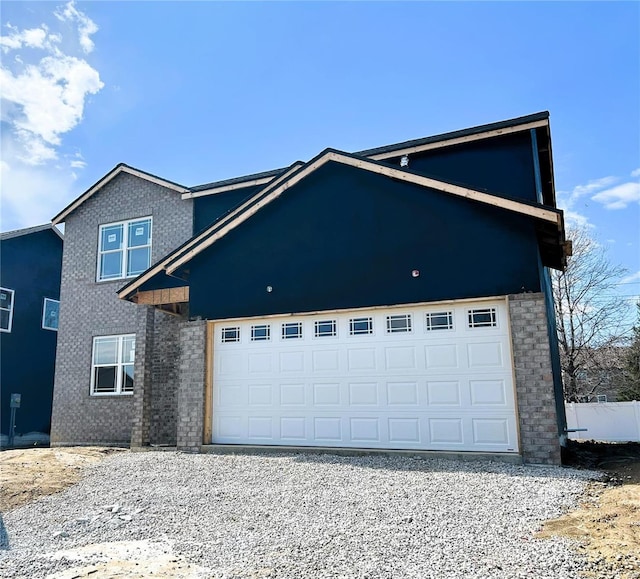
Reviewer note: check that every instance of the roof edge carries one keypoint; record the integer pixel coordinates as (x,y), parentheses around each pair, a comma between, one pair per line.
(29,230)
(119,168)
(453,135)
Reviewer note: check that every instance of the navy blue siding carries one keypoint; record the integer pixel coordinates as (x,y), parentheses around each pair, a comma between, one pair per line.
(502,165)
(547,288)
(31,266)
(209,208)
(346,238)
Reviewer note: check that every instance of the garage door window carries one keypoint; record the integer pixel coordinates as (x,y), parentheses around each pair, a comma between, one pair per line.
(260,333)
(325,328)
(398,323)
(358,326)
(292,330)
(482,318)
(231,334)
(439,321)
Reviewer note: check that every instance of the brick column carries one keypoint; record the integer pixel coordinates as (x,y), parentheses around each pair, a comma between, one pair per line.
(141,420)
(538,426)
(191,385)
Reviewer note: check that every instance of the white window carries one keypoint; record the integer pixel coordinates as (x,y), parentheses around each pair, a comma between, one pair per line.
(124,249)
(260,333)
(112,364)
(50,312)
(325,328)
(291,330)
(6,309)
(360,326)
(482,318)
(231,334)
(398,323)
(439,321)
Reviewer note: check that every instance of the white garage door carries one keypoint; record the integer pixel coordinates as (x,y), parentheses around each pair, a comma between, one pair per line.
(430,378)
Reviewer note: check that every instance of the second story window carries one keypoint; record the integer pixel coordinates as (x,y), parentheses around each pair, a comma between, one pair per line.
(124,249)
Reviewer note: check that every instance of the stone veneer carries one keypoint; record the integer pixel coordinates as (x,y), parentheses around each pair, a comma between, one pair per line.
(191,385)
(537,419)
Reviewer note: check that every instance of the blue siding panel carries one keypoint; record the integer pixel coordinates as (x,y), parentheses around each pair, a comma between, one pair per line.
(502,165)
(346,238)
(31,266)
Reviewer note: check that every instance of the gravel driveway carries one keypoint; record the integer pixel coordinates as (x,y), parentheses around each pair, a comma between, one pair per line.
(298,516)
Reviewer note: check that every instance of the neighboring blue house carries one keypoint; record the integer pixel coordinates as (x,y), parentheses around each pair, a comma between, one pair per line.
(394,298)
(30,268)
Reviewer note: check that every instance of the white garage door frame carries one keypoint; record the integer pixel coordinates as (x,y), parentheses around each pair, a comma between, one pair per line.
(446,389)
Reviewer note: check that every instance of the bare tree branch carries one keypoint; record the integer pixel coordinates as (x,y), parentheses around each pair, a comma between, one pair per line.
(589,316)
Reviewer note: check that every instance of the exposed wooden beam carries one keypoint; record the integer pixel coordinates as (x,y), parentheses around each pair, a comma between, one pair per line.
(175,295)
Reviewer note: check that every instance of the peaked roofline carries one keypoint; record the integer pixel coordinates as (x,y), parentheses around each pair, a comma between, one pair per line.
(234,183)
(295,174)
(29,231)
(480,132)
(487,131)
(120,168)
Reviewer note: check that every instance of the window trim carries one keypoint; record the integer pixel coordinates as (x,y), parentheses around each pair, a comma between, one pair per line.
(226,337)
(492,311)
(408,327)
(332,334)
(441,313)
(125,248)
(361,319)
(118,365)
(267,334)
(44,311)
(10,310)
(286,325)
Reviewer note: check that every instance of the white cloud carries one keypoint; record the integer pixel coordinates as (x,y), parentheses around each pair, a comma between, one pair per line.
(577,220)
(86,26)
(31,195)
(30,38)
(635,173)
(633,278)
(567,200)
(44,92)
(620,196)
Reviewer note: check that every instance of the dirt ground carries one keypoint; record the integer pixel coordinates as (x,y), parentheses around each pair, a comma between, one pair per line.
(29,473)
(607,524)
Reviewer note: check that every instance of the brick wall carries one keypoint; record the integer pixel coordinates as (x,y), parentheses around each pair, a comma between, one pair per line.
(165,377)
(539,437)
(191,386)
(89,308)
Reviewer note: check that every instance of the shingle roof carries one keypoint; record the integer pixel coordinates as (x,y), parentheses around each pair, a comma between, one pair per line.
(28,231)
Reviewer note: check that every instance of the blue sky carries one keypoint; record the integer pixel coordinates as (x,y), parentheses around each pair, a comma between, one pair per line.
(201,91)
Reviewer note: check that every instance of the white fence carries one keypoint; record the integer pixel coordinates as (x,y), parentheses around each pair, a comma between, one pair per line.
(610,421)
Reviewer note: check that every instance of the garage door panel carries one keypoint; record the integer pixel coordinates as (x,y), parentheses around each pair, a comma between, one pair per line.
(441,389)
(443,393)
(442,357)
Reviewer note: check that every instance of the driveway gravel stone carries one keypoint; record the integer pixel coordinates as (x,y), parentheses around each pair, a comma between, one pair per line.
(302,515)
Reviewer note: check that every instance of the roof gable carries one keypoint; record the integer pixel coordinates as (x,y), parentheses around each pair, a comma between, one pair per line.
(221,227)
(117,170)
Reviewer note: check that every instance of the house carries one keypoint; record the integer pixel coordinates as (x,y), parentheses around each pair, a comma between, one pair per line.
(30,266)
(395,298)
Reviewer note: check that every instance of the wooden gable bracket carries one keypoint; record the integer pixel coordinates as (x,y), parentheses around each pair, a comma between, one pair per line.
(170,300)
